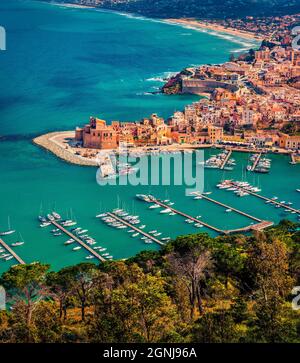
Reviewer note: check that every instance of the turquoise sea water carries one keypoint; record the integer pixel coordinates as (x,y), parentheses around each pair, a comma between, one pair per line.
(63,65)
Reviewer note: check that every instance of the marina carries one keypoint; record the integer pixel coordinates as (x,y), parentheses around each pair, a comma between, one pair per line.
(11,252)
(229,208)
(134,228)
(78,240)
(38,176)
(221,161)
(259,226)
(271,201)
(225,161)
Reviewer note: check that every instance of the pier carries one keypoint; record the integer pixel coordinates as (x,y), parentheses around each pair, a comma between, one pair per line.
(226,160)
(121,220)
(12,252)
(252,227)
(78,240)
(293,159)
(229,207)
(256,162)
(274,202)
(188,216)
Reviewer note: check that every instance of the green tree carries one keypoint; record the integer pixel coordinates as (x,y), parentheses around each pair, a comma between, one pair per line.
(136,309)
(26,284)
(80,281)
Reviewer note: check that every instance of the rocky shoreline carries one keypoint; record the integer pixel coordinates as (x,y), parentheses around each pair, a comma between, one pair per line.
(54,143)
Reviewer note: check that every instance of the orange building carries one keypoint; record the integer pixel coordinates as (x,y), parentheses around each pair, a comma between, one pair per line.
(97,135)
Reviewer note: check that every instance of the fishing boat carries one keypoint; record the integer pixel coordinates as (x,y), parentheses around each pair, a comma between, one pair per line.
(9,231)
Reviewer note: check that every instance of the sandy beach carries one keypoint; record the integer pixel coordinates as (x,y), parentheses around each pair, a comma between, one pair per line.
(215,27)
(75,6)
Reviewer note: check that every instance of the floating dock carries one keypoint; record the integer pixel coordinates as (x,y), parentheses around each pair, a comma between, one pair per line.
(274,202)
(256,162)
(113,215)
(226,159)
(196,220)
(252,227)
(229,207)
(12,252)
(78,240)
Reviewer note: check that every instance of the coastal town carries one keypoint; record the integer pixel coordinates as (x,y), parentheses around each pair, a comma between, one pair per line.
(251,103)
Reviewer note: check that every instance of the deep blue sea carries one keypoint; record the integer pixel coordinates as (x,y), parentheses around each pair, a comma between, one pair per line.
(63,65)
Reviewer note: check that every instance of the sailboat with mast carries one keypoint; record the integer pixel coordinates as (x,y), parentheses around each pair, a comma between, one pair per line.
(9,231)
(19,243)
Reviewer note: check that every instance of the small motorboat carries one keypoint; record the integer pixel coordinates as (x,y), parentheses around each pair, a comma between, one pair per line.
(77,248)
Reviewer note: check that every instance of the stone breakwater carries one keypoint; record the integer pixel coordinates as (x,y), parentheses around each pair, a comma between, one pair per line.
(57,143)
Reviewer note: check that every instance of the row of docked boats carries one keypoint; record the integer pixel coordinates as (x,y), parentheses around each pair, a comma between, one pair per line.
(240,188)
(281,204)
(216,161)
(128,220)
(79,232)
(5,256)
(259,164)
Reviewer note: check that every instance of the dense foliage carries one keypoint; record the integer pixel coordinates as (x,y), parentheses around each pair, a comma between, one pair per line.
(197,289)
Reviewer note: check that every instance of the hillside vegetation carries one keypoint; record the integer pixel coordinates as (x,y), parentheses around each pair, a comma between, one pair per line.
(197,289)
